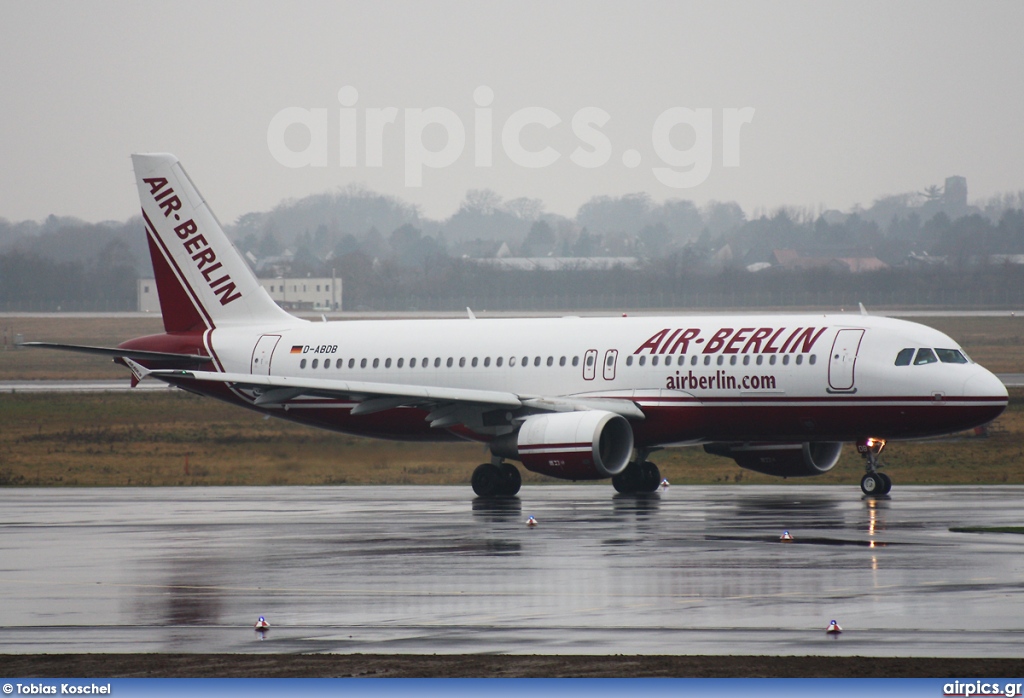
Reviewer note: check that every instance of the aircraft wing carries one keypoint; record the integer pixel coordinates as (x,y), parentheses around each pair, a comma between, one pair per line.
(447,406)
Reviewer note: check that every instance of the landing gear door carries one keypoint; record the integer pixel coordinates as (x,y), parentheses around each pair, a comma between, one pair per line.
(843,360)
(262,354)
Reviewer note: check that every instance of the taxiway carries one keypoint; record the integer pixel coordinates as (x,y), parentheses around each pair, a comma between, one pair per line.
(692,570)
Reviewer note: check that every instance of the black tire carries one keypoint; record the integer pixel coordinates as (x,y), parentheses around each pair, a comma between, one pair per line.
(621,482)
(487,480)
(871,485)
(511,480)
(886,483)
(650,477)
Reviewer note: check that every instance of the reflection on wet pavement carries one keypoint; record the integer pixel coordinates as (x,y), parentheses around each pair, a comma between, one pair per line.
(689,570)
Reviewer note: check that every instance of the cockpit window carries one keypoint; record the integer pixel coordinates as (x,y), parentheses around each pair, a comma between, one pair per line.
(925,356)
(904,357)
(951,356)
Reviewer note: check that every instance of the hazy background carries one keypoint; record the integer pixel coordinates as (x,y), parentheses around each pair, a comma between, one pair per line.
(853,100)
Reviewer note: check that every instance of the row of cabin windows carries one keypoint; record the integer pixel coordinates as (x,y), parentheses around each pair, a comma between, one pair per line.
(733,360)
(449,362)
(930,356)
(562,361)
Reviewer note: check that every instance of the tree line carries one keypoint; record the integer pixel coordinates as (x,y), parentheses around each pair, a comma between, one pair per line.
(391,258)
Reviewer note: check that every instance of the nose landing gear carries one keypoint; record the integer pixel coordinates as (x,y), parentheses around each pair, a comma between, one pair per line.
(874,483)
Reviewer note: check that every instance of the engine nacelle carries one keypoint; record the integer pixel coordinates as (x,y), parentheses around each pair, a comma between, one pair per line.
(783,460)
(587,445)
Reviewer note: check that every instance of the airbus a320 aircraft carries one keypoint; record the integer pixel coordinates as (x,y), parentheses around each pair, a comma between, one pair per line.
(572,398)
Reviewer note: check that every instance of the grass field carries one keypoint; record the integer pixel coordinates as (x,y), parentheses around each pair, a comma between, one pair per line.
(174,438)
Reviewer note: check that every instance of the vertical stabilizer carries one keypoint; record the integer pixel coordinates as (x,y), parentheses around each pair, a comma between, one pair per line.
(202,281)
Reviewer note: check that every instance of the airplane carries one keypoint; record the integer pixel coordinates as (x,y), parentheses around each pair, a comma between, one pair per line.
(572,398)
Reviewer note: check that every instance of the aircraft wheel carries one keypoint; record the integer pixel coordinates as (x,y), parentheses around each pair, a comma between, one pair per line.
(650,477)
(871,484)
(511,480)
(621,482)
(487,480)
(885,481)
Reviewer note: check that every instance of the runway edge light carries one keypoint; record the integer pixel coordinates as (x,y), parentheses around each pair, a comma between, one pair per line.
(262,624)
(833,628)
(531,522)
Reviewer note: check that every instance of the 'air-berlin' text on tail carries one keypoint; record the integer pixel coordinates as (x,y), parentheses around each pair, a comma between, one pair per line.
(201,279)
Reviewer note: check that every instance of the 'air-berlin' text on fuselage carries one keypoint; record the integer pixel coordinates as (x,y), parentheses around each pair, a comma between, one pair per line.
(745,340)
(193,241)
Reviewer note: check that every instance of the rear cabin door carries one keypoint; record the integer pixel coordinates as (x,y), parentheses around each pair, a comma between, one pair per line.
(262,354)
(842,361)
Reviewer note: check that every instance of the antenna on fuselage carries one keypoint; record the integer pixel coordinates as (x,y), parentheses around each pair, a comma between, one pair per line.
(863,310)
(470,313)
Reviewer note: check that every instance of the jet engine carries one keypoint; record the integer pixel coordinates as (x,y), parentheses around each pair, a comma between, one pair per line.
(587,445)
(783,460)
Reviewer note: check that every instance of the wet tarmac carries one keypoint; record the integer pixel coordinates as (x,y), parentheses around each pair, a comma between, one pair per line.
(691,570)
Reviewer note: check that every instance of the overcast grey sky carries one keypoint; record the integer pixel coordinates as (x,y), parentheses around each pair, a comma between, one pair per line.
(851,101)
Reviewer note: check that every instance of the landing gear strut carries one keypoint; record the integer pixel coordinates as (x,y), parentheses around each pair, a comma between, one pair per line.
(874,483)
(496,479)
(640,476)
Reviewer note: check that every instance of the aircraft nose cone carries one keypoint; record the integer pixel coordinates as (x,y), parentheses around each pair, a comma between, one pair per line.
(983,383)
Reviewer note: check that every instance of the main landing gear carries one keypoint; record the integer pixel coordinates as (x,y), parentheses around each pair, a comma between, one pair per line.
(496,479)
(640,476)
(874,483)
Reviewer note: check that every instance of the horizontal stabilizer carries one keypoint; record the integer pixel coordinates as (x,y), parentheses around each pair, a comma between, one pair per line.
(137,354)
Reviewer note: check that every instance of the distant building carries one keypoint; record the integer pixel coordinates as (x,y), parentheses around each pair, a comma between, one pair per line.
(306,293)
(149,302)
(559,263)
(955,192)
(792,259)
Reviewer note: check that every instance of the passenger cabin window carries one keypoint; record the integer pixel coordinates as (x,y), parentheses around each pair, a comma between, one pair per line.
(575,361)
(302,364)
(904,357)
(951,356)
(314,363)
(925,356)
(629,360)
(376,363)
